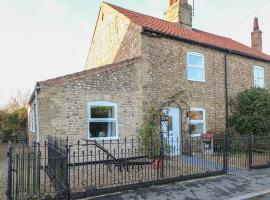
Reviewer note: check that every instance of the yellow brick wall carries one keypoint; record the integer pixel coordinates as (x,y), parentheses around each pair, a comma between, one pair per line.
(63,104)
(115,39)
(166,64)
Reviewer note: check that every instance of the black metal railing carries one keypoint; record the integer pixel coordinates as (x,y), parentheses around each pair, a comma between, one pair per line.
(16,138)
(57,166)
(23,171)
(61,169)
(259,152)
(106,166)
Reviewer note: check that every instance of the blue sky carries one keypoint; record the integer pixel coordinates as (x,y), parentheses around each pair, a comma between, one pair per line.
(42,39)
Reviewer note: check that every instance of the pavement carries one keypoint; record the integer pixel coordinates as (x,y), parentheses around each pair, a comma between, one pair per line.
(241,185)
(3,170)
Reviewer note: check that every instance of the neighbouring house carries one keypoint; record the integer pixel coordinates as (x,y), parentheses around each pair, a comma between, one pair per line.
(135,63)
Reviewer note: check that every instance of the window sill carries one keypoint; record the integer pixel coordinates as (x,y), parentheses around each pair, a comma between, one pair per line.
(34,132)
(260,87)
(195,135)
(102,138)
(197,81)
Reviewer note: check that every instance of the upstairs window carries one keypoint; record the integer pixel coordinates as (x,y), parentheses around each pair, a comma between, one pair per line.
(195,62)
(259,77)
(197,121)
(102,120)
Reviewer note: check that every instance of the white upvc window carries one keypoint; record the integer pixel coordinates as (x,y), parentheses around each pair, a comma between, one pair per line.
(258,77)
(195,63)
(32,118)
(102,120)
(197,121)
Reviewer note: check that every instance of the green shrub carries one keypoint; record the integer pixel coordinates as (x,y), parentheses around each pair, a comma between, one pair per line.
(250,112)
(149,135)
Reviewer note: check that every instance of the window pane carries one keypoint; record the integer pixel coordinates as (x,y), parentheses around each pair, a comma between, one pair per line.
(195,60)
(261,83)
(197,128)
(259,77)
(256,83)
(260,73)
(102,112)
(195,74)
(102,129)
(196,115)
(170,123)
(256,73)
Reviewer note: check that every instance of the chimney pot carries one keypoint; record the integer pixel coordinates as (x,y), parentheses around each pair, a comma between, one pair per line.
(179,12)
(256,36)
(256,24)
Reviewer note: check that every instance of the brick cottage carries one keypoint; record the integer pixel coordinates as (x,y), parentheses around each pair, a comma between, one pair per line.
(135,63)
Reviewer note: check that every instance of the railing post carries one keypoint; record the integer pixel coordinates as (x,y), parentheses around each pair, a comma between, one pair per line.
(225,153)
(67,184)
(9,181)
(250,149)
(38,167)
(34,164)
(161,164)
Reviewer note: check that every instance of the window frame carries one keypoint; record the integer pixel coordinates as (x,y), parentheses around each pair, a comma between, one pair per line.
(257,67)
(194,122)
(195,66)
(32,117)
(115,119)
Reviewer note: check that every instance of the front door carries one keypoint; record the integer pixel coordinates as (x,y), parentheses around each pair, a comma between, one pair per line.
(171,131)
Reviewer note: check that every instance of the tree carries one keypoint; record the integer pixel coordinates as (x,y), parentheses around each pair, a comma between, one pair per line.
(13,115)
(250,112)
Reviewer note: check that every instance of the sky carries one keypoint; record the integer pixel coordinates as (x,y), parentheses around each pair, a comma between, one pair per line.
(43,39)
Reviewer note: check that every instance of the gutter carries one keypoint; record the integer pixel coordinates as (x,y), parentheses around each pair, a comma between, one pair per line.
(34,97)
(37,88)
(147,30)
(226,88)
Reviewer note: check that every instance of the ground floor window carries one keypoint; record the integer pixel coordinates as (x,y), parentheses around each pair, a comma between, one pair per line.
(102,120)
(197,121)
(32,118)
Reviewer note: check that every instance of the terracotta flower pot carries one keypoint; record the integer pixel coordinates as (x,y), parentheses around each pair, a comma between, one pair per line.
(157,163)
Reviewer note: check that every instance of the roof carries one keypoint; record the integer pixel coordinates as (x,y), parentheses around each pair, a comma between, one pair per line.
(82,74)
(193,35)
(86,73)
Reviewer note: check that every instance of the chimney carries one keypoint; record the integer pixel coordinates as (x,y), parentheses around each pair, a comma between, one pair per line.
(256,36)
(179,12)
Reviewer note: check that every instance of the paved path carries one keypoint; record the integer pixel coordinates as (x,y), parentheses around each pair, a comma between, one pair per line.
(3,170)
(231,186)
(207,164)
